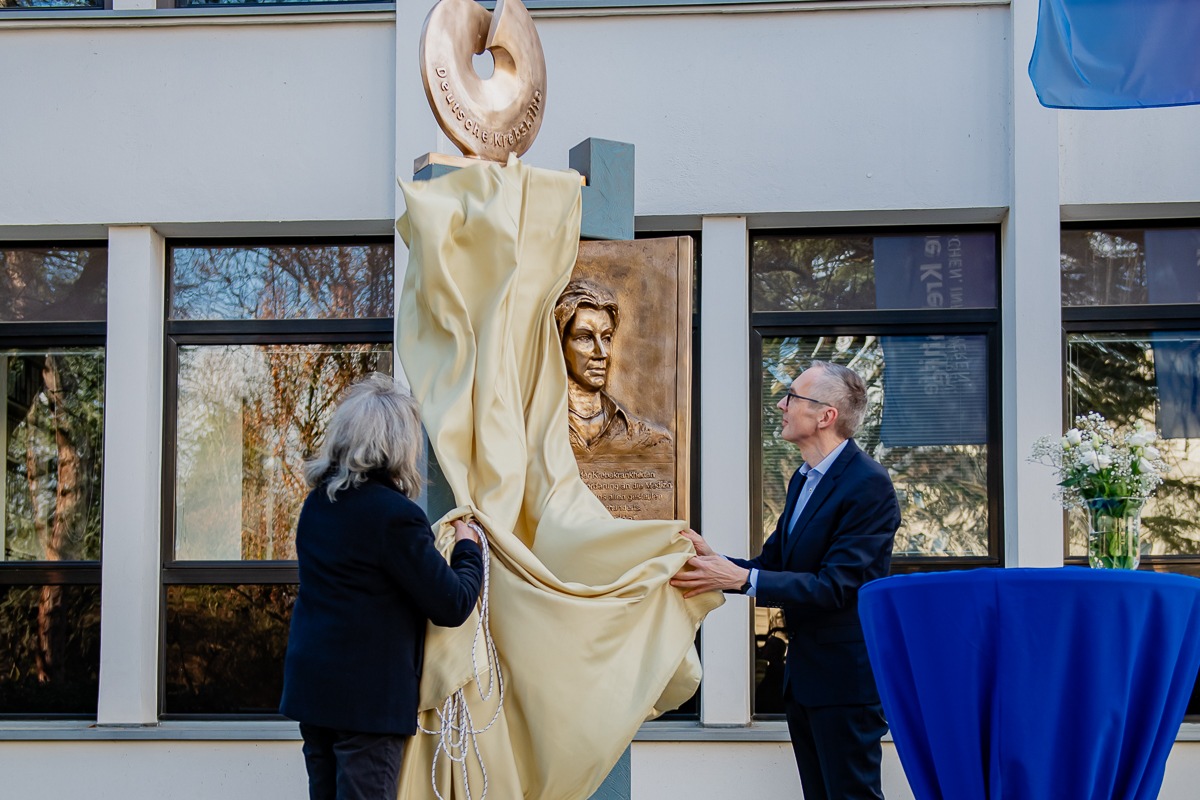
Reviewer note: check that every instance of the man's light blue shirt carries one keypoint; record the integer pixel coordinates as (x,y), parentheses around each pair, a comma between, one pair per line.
(814,475)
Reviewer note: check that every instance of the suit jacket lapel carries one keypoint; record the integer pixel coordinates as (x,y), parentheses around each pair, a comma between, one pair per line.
(824,489)
(789,505)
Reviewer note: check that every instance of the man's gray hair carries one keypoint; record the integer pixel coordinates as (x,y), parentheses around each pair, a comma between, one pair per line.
(843,389)
(376,427)
(583,293)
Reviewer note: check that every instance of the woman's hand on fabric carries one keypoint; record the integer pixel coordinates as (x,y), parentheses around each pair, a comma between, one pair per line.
(463,531)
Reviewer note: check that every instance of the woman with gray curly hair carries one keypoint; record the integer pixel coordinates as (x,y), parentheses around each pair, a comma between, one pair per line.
(370,578)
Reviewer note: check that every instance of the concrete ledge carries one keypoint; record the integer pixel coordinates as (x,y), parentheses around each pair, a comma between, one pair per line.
(284,730)
(83,730)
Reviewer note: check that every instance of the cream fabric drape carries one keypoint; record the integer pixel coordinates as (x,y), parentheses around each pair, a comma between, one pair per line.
(591,637)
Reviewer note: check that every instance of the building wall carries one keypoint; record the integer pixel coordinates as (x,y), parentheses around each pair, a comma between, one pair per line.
(784,116)
(1131,164)
(171,125)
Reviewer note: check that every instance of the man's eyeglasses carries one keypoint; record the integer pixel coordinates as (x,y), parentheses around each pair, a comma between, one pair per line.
(789,395)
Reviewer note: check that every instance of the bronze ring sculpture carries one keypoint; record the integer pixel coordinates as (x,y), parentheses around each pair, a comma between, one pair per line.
(487,119)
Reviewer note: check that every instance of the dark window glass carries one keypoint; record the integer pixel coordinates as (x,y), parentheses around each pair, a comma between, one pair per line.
(1130,266)
(262,340)
(826,273)
(225,648)
(247,418)
(940,471)
(282,282)
(1153,378)
(52,423)
(49,649)
(53,284)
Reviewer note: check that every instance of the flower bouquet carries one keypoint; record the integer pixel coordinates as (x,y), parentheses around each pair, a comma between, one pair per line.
(1110,474)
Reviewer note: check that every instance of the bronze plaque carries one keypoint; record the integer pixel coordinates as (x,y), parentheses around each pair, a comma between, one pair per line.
(625,323)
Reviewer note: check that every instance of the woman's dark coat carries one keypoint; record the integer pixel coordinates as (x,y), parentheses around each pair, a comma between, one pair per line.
(370,577)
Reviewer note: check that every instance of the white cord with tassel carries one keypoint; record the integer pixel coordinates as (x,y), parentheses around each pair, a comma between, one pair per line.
(457,737)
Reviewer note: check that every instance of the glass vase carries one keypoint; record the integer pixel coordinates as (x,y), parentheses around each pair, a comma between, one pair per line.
(1114,536)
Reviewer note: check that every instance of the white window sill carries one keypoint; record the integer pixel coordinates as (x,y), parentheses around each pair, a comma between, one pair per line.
(284,730)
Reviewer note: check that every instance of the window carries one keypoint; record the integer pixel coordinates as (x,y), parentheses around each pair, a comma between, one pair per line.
(1130,308)
(53,4)
(1131,299)
(914,312)
(52,311)
(261,341)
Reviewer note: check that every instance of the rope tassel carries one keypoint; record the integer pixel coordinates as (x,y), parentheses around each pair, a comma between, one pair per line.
(457,737)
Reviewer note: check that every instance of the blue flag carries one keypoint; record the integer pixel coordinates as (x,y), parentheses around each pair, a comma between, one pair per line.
(1117,53)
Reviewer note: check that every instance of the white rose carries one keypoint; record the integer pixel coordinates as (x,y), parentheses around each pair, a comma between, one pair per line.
(1091,460)
(1087,450)
(1073,437)
(1146,467)
(1141,438)
(1152,452)
(1103,460)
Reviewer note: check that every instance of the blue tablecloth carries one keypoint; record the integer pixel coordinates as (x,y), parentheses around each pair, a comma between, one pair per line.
(1034,683)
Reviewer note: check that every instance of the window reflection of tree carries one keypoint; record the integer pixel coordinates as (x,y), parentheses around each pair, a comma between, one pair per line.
(793,273)
(1103,268)
(282,282)
(1114,375)
(54,466)
(225,646)
(52,513)
(48,284)
(259,410)
(943,489)
(250,408)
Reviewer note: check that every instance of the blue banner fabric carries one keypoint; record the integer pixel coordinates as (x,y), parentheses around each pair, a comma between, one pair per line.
(934,387)
(1173,261)
(1173,276)
(1104,54)
(946,271)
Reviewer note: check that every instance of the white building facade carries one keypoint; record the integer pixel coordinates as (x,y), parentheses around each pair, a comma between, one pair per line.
(165,140)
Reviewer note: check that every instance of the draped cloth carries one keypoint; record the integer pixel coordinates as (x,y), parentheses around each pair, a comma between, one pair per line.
(1037,684)
(592,639)
(1104,54)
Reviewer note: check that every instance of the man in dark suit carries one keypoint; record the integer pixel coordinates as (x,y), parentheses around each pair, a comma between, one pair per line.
(835,534)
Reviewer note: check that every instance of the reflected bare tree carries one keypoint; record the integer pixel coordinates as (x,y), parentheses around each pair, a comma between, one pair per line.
(53,284)
(277,397)
(282,282)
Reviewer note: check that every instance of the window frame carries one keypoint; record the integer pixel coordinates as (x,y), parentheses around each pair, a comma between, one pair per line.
(52,334)
(177,333)
(15,334)
(891,322)
(883,322)
(1137,319)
